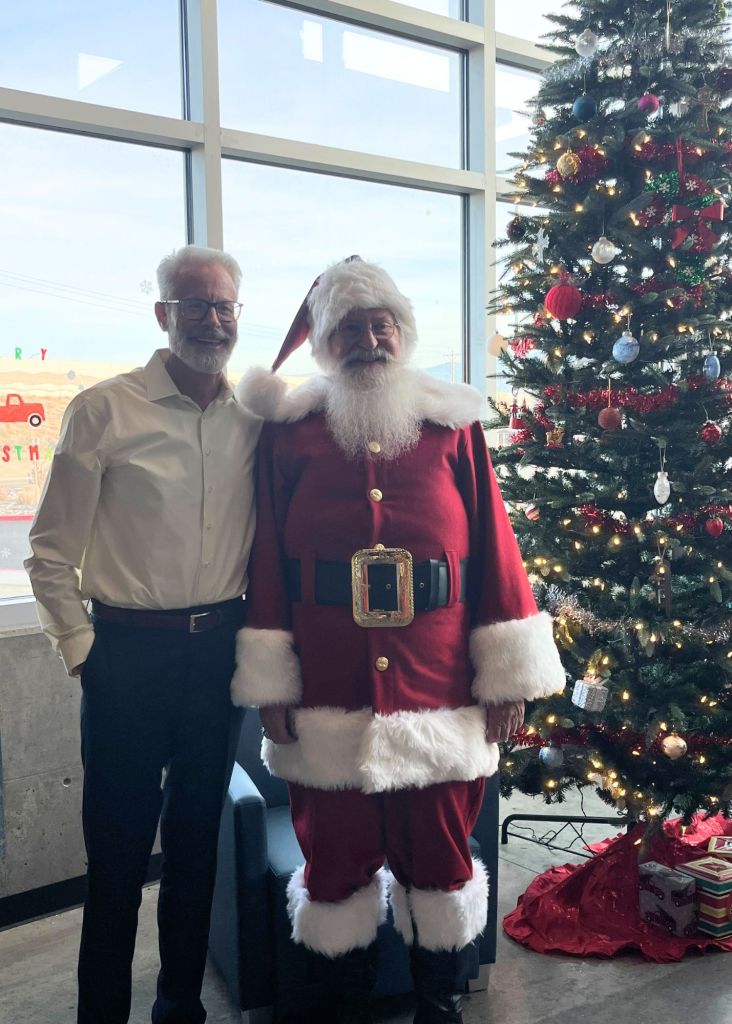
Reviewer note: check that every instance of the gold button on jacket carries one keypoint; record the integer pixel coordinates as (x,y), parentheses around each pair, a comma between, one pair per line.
(382,664)
(375,494)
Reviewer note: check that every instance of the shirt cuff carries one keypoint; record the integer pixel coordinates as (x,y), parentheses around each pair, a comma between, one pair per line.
(75,649)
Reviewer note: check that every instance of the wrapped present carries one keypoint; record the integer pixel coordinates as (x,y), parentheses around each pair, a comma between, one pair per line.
(589,694)
(667,898)
(713,877)
(720,846)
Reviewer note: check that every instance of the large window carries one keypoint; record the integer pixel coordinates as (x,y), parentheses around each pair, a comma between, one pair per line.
(119,55)
(282,133)
(82,237)
(300,76)
(287,226)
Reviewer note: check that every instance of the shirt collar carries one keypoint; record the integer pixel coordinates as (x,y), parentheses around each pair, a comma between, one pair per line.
(160,384)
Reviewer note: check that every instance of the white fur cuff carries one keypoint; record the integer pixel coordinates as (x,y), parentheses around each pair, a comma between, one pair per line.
(267,669)
(516,660)
(333,929)
(450,920)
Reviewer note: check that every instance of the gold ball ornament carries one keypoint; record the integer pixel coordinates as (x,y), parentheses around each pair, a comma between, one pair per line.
(674,746)
(568,164)
(497,344)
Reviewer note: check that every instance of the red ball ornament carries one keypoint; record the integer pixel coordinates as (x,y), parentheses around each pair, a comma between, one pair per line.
(532,513)
(714,526)
(649,103)
(610,418)
(711,432)
(563,301)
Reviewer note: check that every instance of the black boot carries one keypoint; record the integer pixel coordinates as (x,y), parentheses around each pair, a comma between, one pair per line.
(353,979)
(440,979)
(348,981)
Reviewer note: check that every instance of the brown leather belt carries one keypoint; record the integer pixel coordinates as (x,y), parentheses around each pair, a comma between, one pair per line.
(187,620)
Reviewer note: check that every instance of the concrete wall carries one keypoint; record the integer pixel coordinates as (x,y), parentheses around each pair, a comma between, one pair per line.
(41,766)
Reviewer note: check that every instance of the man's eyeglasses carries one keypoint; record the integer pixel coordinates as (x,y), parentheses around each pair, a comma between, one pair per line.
(197,309)
(382,330)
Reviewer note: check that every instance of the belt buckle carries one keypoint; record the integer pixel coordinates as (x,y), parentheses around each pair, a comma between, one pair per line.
(363,615)
(193,620)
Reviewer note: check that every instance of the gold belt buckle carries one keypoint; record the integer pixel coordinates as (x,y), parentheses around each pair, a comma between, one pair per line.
(363,615)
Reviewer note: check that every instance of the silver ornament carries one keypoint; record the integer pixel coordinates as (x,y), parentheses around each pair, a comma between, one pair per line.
(712,367)
(604,251)
(586,43)
(551,757)
(626,348)
(662,487)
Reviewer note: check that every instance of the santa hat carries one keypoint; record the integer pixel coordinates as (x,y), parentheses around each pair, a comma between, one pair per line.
(350,284)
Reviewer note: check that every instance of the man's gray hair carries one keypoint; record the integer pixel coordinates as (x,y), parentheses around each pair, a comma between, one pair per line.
(194,255)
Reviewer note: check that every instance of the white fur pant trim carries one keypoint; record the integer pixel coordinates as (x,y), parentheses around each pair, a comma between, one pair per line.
(333,929)
(442,921)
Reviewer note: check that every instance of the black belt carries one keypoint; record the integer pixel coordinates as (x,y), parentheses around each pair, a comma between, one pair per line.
(200,619)
(333,584)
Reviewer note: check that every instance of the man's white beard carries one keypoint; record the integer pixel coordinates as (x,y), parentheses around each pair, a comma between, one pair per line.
(373,401)
(195,356)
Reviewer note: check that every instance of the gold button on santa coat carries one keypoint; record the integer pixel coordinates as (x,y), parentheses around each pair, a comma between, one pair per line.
(382,664)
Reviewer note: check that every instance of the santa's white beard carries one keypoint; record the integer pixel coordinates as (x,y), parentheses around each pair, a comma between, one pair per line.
(373,401)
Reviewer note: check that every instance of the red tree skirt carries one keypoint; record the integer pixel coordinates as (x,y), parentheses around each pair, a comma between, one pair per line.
(591,909)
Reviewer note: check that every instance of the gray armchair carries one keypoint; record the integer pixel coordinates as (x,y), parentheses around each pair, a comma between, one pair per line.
(250,941)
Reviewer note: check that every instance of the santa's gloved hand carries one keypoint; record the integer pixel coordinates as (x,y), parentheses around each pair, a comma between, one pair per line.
(278,724)
(503,720)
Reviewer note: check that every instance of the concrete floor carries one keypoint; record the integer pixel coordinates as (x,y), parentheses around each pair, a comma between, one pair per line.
(37,968)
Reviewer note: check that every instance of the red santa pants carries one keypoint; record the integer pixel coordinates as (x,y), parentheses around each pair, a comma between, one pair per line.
(438,897)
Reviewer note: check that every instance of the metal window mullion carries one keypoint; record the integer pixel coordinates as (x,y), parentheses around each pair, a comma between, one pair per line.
(204,188)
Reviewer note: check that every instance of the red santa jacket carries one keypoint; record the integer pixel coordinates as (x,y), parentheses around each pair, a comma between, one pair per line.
(386,708)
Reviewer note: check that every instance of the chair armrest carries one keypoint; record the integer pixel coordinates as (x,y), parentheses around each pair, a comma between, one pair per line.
(240,938)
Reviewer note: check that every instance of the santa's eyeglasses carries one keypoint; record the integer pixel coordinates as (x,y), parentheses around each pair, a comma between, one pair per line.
(382,330)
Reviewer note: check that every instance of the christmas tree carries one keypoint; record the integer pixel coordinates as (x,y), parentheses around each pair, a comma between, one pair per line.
(618,287)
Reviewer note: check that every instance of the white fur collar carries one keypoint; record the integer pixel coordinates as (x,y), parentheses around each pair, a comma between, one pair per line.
(266,395)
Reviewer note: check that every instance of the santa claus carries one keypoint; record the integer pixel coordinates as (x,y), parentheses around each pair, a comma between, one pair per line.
(392,638)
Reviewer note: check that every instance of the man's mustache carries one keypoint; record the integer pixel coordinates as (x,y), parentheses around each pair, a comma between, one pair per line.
(373,355)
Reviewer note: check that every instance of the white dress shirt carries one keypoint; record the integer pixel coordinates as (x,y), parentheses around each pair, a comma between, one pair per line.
(149,503)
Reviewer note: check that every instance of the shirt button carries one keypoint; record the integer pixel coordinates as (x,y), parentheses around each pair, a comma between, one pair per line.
(208,451)
(375,494)
(209,490)
(382,664)
(374,447)
(208,526)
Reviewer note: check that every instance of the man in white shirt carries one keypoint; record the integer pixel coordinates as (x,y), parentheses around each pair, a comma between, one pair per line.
(148,512)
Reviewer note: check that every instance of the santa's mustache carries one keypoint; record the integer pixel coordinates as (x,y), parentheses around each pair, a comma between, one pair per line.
(366,355)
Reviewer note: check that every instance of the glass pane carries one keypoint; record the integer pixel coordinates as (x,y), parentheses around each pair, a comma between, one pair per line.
(526,19)
(285,227)
(87,226)
(118,55)
(514,89)
(299,76)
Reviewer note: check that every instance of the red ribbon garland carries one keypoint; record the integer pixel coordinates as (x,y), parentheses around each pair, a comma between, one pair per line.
(694,223)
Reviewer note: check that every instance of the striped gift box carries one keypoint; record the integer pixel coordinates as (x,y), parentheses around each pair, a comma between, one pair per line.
(714,892)
(720,846)
(715,914)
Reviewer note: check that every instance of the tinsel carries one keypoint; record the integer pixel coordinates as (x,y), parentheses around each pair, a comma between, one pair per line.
(587,736)
(592,165)
(647,43)
(561,605)
(598,300)
(630,398)
(568,70)
(594,516)
(654,152)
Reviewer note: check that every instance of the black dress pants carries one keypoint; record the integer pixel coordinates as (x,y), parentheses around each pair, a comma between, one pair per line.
(158,738)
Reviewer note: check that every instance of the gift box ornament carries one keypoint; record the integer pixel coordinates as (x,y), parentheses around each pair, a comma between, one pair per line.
(667,899)
(589,694)
(713,877)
